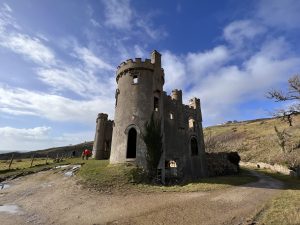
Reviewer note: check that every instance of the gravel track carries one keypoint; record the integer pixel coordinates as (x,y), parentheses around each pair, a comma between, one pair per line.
(49,197)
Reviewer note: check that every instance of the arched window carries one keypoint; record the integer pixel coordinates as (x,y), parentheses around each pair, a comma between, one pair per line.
(131,144)
(194,146)
(116,96)
(135,79)
(192,124)
(156,103)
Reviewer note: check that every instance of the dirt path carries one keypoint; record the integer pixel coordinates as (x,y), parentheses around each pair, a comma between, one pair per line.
(51,198)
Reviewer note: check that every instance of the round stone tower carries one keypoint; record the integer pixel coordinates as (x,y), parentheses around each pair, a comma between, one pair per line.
(138,95)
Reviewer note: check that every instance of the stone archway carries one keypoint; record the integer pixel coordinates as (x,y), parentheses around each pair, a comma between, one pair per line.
(131,143)
(194,146)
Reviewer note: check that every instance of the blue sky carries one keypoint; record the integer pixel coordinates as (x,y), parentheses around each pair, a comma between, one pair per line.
(58,60)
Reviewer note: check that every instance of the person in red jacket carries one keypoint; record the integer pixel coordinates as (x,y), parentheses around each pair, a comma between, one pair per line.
(86,154)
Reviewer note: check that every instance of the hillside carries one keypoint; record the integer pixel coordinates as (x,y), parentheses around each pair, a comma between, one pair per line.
(51,152)
(256,140)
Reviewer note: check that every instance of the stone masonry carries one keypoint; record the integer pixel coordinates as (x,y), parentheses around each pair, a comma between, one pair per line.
(140,94)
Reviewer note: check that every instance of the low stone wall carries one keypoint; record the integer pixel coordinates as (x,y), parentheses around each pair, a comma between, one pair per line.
(222,163)
(276,167)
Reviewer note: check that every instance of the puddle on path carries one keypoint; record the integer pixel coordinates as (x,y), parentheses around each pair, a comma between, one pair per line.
(72,171)
(62,166)
(4,186)
(10,209)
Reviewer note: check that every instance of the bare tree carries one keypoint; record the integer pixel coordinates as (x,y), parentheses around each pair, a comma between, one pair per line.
(293,94)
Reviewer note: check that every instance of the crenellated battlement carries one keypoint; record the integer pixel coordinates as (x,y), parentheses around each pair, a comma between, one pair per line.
(137,64)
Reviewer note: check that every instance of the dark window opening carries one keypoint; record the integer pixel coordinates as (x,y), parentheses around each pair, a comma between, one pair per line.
(135,79)
(107,146)
(116,96)
(194,146)
(156,103)
(192,124)
(131,144)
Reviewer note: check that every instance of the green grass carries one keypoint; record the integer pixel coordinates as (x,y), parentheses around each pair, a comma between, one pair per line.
(21,168)
(22,163)
(284,208)
(108,178)
(98,174)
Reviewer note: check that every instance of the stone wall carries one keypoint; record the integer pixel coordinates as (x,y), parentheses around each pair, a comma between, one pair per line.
(221,163)
(276,167)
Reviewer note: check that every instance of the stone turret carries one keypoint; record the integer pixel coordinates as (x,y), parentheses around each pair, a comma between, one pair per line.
(156,58)
(194,103)
(138,95)
(102,141)
(177,95)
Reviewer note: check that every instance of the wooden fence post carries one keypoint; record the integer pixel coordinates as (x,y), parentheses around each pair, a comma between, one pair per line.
(11,160)
(32,158)
(47,159)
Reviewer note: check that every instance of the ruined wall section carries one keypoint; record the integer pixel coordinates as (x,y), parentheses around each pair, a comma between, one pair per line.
(103,137)
(182,123)
(138,83)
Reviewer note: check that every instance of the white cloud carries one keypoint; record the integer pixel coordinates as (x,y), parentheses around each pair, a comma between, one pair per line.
(118,14)
(31,133)
(154,33)
(77,80)
(240,31)
(7,7)
(278,13)
(53,107)
(6,19)
(202,63)
(29,47)
(95,23)
(91,60)
(37,138)
(140,52)
(221,84)
(175,71)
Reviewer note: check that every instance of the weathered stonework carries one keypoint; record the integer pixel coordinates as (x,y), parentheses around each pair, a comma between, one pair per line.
(140,94)
(103,135)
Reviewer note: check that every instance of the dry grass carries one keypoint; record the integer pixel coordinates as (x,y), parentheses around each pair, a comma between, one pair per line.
(285,208)
(256,140)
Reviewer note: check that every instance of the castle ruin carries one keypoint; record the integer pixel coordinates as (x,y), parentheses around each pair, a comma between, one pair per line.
(140,94)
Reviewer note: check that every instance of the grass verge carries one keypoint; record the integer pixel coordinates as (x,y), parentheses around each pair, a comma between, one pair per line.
(22,168)
(284,208)
(103,177)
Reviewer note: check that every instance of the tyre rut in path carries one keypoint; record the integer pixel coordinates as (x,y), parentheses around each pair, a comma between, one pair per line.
(50,198)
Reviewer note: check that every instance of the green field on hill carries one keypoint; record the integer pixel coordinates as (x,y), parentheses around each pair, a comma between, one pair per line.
(257,141)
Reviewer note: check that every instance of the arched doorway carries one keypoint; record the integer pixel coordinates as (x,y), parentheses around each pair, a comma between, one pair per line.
(194,146)
(131,144)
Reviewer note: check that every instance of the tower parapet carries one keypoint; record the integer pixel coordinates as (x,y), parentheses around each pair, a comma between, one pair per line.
(156,58)
(130,65)
(194,103)
(177,95)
